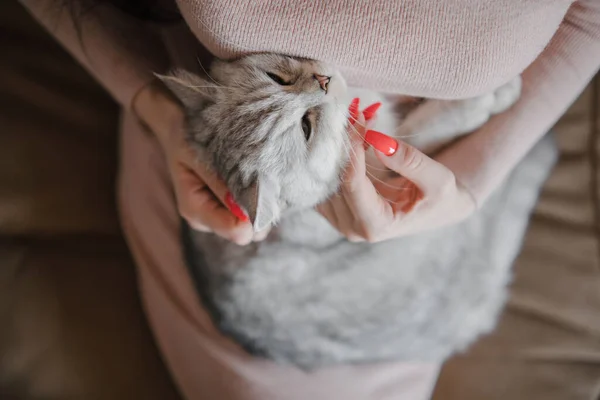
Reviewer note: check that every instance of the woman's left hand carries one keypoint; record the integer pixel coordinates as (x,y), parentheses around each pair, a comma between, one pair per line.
(425,196)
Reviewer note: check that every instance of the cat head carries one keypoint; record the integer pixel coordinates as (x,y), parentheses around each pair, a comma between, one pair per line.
(272,127)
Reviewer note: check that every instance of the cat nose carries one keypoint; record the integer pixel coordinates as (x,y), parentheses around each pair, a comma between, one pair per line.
(323,81)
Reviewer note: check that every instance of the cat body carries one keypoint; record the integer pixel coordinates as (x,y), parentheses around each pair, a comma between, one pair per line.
(308,297)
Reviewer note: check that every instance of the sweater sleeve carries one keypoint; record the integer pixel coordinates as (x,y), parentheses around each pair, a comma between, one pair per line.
(121,52)
(551,83)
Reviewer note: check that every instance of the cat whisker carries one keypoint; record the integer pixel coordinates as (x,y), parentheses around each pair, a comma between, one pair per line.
(394,136)
(370,166)
(374,168)
(350,151)
(207,74)
(385,183)
(209,86)
(356,121)
(406,136)
(187,84)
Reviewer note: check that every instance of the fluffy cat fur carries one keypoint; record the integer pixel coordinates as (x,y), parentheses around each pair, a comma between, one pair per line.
(306,296)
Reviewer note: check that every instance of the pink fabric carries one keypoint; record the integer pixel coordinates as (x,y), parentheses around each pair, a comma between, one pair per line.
(119,51)
(205,364)
(441,49)
(435,49)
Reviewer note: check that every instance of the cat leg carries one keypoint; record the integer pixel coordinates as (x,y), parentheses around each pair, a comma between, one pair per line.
(507,95)
(436,123)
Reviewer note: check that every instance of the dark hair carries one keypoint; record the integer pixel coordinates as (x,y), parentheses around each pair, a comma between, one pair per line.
(159,11)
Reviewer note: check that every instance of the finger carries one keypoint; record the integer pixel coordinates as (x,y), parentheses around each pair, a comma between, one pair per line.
(191,193)
(220,191)
(371,111)
(367,207)
(210,178)
(410,197)
(340,217)
(369,210)
(356,133)
(262,235)
(240,232)
(409,162)
(326,210)
(353,110)
(346,220)
(204,211)
(214,183)
(234,207)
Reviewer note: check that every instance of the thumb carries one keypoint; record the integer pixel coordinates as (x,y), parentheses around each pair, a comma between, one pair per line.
(409,162)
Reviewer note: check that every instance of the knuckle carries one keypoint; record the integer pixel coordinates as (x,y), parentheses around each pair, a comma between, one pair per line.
(239,237)
(448,177)
(368,233)
(350,187)
(354,238)
(354,184)
(349,179)
(448,186)
(189,216)
(259,238)
(379,233)
(198,226)
(196,223)
(371,237)
(411,157)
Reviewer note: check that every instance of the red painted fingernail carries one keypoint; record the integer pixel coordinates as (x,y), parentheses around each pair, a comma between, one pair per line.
(381,142)
(370,111)
(353,110)
(234,208)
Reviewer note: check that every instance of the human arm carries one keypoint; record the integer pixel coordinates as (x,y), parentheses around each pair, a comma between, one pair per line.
(470,170)
(483,159)
(424,194)
(123,54)
(202,197)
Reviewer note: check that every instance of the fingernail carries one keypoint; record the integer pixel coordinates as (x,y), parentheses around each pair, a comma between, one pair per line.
(370,111)
(381,142)
(234,207)
(353,110)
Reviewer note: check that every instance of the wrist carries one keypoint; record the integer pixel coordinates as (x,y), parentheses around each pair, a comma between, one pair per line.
(160,111)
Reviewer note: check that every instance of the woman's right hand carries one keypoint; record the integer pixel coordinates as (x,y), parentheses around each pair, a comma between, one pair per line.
(202,198)
(423,194)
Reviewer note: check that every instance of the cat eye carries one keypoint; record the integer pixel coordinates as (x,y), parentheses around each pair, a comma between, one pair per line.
(278,79)
(306,126)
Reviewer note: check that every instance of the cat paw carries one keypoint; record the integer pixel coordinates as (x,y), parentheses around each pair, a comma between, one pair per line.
(507,95)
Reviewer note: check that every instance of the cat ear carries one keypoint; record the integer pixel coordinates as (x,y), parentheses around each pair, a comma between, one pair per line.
(189,88)
(261,202)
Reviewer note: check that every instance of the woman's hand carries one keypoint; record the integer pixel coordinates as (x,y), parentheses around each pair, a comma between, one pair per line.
(426,195)
(201,196)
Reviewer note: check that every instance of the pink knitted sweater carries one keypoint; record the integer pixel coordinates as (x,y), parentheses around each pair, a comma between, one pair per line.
(442,49)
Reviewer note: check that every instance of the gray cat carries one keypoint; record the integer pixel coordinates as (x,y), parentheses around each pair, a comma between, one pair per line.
(274,128)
